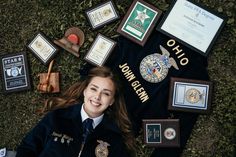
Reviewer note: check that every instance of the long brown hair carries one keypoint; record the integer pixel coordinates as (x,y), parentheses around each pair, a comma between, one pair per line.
(117,111)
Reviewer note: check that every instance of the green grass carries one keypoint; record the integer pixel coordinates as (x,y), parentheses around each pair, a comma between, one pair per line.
(212,136)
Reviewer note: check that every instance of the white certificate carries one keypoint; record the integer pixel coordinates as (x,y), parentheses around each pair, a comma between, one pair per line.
(102,14)
(100,50)
(192,24)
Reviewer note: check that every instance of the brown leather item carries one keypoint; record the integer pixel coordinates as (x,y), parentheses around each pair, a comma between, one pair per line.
(67,44)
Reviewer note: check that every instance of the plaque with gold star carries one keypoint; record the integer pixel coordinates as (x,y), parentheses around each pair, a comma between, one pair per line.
(190,95)
(161,132)
(139,21)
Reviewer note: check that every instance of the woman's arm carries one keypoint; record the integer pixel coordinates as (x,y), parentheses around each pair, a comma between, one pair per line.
(33,143)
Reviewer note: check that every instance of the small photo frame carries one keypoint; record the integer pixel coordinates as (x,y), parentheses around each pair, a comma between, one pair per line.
(192,24)
(15,72)
(161,132)
(189,95)
(42,48)
(102,14)
(100,50)
(139,21)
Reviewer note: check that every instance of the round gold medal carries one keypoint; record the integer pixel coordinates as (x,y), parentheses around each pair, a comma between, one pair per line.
(193,95)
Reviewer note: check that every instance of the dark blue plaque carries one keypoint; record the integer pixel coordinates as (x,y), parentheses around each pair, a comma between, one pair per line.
(15,72)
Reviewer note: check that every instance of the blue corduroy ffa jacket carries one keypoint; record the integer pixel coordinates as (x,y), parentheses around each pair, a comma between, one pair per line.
(59,134)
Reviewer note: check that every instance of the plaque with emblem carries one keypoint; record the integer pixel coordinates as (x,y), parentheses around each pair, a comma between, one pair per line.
(100,50)
(139,21)
(42,48)
(190,95)
(193,25)
(102,14)
(161,132)
(15,73)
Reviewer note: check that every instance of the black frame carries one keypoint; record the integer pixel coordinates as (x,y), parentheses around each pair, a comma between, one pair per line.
(188,84)
(11,73)
(151,26)
(205,53)
(50,44)
(107,54)
(92,9)
(163,125)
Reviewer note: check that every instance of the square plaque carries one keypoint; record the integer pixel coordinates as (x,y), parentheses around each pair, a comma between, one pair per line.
(100,50)
(139,21)
(193,25)
(102,14)
(42,48)
(190,95)
(161,132)
(15,73)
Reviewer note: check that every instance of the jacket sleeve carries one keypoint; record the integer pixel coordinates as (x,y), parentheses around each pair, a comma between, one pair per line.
(33,143)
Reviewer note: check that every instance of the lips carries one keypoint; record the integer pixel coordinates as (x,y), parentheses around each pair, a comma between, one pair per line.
(95,103)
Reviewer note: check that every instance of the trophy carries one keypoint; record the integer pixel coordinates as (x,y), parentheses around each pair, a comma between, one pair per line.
(72,40)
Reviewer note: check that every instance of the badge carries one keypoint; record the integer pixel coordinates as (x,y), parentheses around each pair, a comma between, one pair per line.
(154,68)
(193,95)
(101,150)
(169,133)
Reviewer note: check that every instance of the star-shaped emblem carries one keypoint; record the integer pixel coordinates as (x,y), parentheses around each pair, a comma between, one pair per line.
(142,15)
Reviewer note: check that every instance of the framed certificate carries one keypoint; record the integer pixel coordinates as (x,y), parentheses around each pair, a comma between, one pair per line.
(102,14)
(100,50)
(190,95)
(42,48)
(193,25)
(15,73)
(161,132)
(139,21)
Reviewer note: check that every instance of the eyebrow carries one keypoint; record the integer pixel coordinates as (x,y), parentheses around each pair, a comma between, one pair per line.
(103,89)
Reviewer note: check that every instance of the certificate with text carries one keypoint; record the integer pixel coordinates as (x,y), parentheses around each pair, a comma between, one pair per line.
(195,26)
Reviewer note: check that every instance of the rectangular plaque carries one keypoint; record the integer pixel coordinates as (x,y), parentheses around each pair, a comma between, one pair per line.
(15,73)
(139,21)
(100,50)
(190,95)
(161,132)
(102,14)
(193,25)
(42,48)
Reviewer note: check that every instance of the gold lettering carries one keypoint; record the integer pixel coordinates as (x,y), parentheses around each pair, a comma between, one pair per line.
(184,61)
(135,84)
(121,66)
(171,42)
(129,75)
(177,50)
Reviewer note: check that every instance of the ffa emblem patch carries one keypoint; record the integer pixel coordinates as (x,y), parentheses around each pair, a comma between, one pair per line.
(154,68)
(101,150)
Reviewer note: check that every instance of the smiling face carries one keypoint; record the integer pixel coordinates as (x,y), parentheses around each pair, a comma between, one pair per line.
(98,96)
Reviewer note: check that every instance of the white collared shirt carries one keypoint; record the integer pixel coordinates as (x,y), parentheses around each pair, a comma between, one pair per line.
(96,120)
